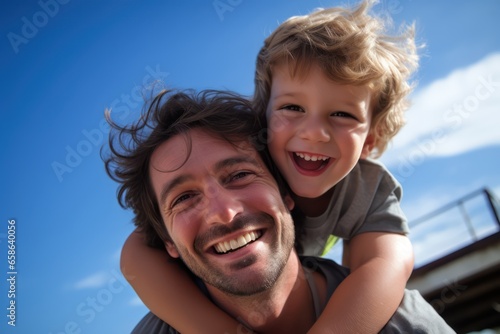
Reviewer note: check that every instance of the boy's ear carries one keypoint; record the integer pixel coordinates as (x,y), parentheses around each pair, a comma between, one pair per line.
(171,249)
(368,146)
(290,204)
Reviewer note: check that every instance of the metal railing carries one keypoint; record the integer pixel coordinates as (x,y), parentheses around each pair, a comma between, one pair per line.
(455,225)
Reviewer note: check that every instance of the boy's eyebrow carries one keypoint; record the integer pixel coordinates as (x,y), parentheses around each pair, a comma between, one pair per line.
(285,94)
(348,103)
(167,187)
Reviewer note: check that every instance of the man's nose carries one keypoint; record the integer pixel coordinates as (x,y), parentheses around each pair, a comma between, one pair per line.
(221,205)
(314,129)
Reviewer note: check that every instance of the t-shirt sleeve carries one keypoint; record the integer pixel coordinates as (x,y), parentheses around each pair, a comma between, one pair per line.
(366,200)
(415,315)
(151,324)
(385,213)
(375,207)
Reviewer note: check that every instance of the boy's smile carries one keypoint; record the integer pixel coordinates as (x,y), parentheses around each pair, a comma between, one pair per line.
(310,164)
(318,128)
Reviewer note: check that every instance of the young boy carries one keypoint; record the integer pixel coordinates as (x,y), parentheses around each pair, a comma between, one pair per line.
(332,88)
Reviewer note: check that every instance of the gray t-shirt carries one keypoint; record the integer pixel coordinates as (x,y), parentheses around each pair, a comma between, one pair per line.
(366,200)
(414,314)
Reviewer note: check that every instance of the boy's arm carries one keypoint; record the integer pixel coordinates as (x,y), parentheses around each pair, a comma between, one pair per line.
(381,264)
(169,292)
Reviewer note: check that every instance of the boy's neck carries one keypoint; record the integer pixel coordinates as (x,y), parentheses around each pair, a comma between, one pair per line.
(313,207)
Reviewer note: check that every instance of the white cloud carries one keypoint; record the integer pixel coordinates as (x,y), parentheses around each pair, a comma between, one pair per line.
(451,116)
(116,255)
(100,278)
(95,280)
(136,301)
(496,191)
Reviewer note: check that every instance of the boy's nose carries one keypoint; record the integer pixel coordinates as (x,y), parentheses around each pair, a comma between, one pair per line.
(314,129)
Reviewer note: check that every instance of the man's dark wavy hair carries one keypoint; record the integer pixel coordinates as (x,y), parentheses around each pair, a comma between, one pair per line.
(225,114)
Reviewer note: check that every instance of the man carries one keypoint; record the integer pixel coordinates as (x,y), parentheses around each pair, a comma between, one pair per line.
(199,180)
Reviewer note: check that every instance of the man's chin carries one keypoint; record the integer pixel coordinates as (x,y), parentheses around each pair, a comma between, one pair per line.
(245,283)
(244,263)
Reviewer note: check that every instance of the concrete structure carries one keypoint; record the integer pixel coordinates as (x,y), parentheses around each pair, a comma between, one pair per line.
(464,285)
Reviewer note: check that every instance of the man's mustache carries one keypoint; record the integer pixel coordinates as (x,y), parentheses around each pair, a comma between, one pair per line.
(240,222)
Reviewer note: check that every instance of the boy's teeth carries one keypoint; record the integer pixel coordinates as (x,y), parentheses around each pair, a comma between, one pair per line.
(242,240)
(309,157)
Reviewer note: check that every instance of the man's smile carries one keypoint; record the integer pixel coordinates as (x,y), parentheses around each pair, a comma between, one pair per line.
(237,243)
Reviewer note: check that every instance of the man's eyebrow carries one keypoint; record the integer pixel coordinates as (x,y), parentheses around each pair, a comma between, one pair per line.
(218,166)
(171,185)
(234,161)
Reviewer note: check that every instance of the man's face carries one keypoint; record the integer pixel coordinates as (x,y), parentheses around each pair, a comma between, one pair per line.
(223,211)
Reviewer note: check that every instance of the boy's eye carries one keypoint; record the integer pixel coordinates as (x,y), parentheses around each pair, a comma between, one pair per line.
(342,114)
(292,107)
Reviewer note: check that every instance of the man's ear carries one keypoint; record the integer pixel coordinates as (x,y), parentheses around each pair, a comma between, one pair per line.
(368,146)
(171,249)
(290,204)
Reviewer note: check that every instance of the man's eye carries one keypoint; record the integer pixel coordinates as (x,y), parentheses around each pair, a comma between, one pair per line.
(239,178)
(240,175)
(181,198)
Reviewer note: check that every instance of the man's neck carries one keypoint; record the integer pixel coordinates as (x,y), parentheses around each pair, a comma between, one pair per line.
(287,307)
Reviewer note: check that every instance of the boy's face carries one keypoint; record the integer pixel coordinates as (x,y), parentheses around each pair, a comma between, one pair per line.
(318,128)
(223,211)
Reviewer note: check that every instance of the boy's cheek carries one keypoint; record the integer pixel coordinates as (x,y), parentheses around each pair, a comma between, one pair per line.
(277,123)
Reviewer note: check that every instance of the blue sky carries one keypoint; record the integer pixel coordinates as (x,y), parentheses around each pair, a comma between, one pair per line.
(64,62)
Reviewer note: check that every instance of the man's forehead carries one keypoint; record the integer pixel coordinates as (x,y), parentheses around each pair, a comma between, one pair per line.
(198,147)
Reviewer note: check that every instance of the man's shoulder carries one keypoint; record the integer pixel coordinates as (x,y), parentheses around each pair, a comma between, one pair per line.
(319,263)
(416,315)
(152,324)
(329,268)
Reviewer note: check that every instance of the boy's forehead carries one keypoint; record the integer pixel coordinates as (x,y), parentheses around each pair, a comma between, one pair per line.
(283,73)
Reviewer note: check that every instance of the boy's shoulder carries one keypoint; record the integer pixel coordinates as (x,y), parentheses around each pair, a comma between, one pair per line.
(369,170)
(372,164)
(372,178)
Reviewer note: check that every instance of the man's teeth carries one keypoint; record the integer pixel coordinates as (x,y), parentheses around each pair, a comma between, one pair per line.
(309,157)
(242,240)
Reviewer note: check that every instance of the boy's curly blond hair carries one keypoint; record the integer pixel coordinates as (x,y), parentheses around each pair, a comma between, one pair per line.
(352,48)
